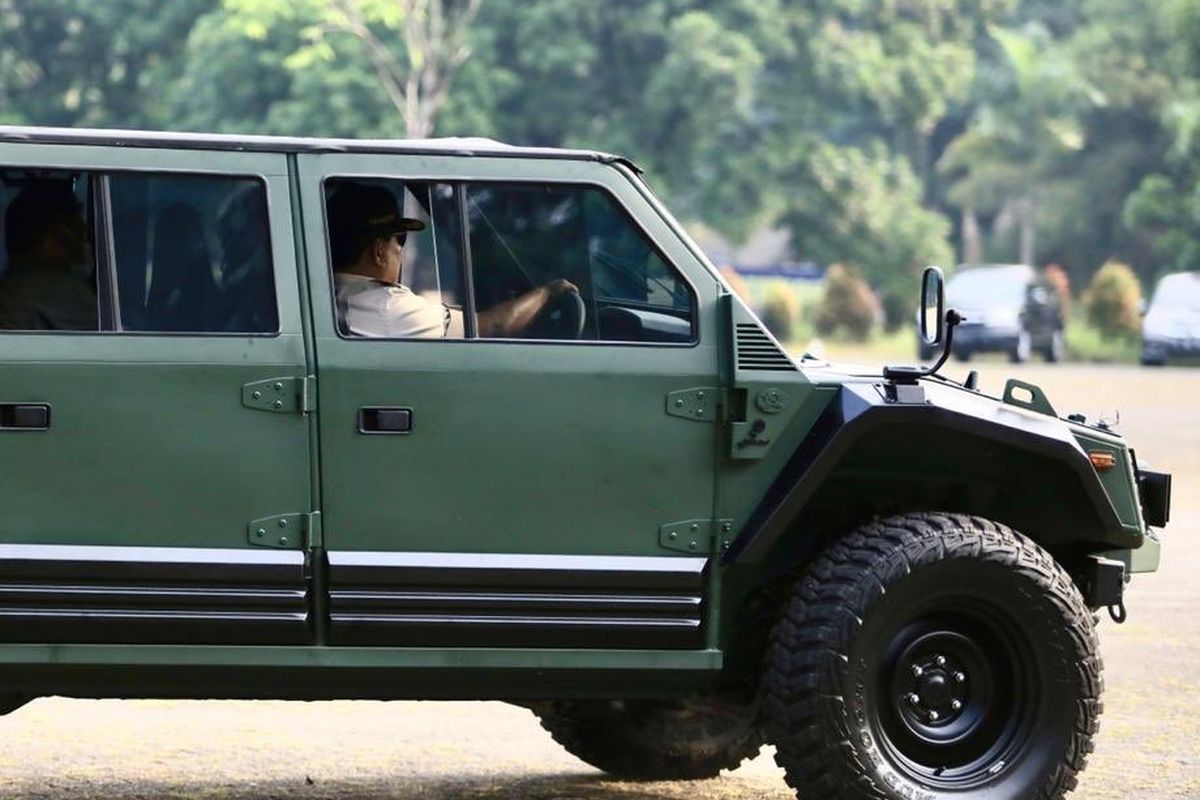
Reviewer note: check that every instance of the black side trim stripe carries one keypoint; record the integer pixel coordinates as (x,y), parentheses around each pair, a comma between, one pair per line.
(154,595)
(509,600)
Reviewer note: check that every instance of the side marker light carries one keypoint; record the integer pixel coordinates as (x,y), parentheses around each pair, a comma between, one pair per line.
(1102,460)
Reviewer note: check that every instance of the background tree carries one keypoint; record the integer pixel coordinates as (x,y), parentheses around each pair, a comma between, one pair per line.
(414,48)
(75,63)
(878,134)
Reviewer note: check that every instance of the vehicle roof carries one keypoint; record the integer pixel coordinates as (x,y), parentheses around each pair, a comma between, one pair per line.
(458,146)
(1177,288)
(1178,278)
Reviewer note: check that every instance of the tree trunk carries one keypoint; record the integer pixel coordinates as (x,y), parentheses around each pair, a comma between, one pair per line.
(1028,222)
(972,237)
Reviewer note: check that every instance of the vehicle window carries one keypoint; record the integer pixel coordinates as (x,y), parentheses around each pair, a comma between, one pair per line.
(47,262)
(187,253)
(1180,290)
(530,237)
(192,254)
(395,254)
(987,287)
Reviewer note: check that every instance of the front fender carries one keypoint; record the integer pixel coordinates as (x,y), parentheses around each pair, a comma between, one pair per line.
(879,447)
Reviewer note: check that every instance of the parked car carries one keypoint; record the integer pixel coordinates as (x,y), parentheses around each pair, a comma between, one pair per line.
(1008,309)
(316,419)
(1171,327)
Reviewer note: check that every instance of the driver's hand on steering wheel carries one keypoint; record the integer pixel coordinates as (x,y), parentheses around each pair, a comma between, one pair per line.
(560,286)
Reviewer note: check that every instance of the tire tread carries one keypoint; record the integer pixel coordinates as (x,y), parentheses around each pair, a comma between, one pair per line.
(809,727)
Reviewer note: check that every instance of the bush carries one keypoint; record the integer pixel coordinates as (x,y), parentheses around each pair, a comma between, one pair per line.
(736,282)
(1060,282)
(848,306)
(1111,302)
(780,310)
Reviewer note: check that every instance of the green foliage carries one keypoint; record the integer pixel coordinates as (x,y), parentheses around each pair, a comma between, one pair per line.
(780,310)
(865,207)
(1112,301)
(1062,130)
(1086,343)
(847,307)
(1167,214)
(98,64)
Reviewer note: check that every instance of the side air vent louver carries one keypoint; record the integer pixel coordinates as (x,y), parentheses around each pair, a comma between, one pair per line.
(755,350)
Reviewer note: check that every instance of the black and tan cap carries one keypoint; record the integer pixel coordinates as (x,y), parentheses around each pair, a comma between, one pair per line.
(360,212)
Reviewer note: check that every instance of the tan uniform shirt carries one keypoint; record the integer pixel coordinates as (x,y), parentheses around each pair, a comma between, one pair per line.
(367,307)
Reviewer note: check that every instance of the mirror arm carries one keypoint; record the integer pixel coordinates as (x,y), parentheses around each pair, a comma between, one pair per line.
(953,318)
(911,374)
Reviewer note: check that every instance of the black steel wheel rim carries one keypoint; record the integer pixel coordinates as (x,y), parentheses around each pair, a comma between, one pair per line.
(956,696)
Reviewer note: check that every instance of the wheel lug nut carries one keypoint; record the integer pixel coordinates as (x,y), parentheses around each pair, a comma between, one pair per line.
(940,661)
(956,705)
(914,699)
(959,677)
(917,671)
(934,716)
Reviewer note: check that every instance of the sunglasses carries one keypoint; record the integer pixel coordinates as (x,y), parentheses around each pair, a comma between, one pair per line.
(401,238)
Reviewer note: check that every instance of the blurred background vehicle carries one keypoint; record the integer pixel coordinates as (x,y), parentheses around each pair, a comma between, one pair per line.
(1009,308)
(1171,327)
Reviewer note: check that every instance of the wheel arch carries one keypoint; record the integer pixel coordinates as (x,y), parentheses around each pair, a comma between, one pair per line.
(868,456)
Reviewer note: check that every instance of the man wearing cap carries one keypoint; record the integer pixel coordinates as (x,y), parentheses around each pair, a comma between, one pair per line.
(367,236)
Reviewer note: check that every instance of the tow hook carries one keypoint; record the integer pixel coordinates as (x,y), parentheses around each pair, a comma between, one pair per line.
(1102,583)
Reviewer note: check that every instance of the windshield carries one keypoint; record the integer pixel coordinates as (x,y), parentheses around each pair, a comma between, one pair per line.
(986,287)
(1181,290)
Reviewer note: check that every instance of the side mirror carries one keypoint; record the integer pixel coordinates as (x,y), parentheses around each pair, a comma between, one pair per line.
(933,306)
(936,323)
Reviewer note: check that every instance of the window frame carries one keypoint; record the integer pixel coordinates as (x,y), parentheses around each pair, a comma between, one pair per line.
(104,251)
(470,324)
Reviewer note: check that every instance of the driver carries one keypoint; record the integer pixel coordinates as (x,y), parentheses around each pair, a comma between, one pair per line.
(367,234)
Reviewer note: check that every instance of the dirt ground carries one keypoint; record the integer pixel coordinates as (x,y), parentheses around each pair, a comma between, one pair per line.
(1148,747)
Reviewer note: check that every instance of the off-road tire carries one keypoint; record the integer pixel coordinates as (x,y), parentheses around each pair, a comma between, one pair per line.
(652,739)
(868,604)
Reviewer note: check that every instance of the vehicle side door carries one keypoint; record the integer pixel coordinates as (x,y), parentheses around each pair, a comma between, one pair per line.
(538,489)
(144,449)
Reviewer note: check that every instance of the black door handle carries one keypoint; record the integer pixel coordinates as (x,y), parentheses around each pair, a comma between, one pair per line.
(384,420)
(24,417)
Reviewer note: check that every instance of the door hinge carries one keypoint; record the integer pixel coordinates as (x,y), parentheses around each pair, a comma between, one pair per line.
(286,531)
(698,404)
(697,535)
(282,395)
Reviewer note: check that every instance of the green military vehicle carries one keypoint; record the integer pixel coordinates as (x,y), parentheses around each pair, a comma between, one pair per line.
(321,419)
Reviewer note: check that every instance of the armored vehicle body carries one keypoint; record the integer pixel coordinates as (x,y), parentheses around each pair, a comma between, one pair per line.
(316,419)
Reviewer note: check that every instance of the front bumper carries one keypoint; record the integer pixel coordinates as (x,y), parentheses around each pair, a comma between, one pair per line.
(1154,490)
(1161,348)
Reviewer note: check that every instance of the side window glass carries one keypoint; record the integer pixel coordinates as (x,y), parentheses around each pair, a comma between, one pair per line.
(47,262)
(192,254)
(395,252)
(528,241)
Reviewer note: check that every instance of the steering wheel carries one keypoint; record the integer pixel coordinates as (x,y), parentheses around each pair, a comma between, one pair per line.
(563,317)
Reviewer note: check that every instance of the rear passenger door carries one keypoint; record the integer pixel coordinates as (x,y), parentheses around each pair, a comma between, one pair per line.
(154,473)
